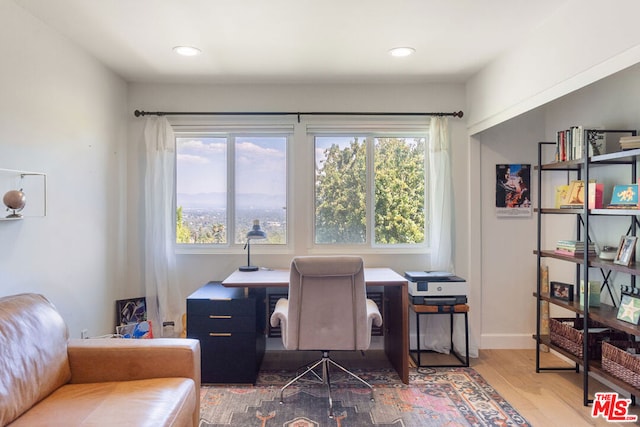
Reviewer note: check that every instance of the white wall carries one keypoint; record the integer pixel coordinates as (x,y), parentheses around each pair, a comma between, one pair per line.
(195,270)
(508,266)
(585,42)
(507,262)
(62,113)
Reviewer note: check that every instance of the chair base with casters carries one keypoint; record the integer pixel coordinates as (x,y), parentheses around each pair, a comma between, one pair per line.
(324,363)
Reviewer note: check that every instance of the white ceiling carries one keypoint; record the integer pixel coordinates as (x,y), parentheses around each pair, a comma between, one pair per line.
(302,41)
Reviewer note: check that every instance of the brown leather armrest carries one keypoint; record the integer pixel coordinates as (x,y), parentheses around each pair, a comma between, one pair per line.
(113,359)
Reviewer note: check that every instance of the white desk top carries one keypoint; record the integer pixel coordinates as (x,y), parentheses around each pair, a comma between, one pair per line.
(280,278)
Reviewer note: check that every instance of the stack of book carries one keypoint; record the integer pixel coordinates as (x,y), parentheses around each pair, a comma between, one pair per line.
(569,144)
(629,142)
(574,248)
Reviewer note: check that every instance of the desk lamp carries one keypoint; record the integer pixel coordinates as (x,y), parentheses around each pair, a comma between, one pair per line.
(254,233)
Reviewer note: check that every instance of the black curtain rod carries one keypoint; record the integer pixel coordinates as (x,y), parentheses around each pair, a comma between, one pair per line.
(139,113)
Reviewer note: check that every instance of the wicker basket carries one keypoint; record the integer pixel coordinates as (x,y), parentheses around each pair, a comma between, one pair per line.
(566,333)
(621,364)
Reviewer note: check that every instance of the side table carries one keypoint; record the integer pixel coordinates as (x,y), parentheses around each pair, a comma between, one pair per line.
(422,310)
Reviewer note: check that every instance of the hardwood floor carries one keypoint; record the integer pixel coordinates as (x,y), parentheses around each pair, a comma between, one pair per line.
(546,399)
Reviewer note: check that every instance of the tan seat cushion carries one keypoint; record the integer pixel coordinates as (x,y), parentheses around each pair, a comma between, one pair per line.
(152,402)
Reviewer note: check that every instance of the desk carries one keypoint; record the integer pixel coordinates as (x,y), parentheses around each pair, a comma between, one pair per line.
(396,306)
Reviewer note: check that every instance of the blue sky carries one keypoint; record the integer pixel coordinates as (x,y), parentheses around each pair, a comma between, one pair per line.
(260,165)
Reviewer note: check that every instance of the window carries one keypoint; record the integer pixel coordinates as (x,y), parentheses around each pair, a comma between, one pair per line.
(224,181)
(370,188)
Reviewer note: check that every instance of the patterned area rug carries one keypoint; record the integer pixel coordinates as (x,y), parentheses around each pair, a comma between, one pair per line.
(435,397)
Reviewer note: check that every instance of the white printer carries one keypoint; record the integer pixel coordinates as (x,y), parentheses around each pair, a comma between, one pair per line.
(436,288)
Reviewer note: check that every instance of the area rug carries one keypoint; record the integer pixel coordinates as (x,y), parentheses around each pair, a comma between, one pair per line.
(434,397)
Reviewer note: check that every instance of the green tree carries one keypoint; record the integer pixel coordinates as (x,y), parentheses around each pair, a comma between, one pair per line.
(182,232)
(341,195)
(214,233)
(399,215)
(399,191)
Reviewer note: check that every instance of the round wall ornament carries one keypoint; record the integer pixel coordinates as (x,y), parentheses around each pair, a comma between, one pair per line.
(14,200)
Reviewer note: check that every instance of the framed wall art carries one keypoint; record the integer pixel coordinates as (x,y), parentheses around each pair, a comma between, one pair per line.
(626,250)
(513,198)
(629,310)
(563,291)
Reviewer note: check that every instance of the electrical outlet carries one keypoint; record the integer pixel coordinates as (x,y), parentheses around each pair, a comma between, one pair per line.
(84,334)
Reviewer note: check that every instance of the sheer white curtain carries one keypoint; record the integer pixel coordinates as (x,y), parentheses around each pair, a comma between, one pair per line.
(441,235)
(440,189)
(162,294)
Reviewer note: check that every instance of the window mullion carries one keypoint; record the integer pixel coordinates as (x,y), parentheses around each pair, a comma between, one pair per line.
(370,197)
(231,190)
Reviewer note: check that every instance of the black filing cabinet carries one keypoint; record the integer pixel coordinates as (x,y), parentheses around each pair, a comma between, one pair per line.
(230,324)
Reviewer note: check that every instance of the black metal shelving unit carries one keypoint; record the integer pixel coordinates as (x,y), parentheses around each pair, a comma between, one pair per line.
(604,314)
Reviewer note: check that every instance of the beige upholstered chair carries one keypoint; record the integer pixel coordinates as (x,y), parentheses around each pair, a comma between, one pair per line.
(327,309)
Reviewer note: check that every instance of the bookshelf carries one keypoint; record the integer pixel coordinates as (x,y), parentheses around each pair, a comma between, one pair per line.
(586,264)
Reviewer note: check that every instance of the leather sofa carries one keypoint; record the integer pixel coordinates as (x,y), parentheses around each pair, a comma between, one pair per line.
(47,379)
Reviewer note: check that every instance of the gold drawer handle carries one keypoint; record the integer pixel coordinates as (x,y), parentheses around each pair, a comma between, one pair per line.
(213,316)
(219,334)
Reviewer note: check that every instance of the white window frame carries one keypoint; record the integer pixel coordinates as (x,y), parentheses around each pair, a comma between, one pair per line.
(371,131)
(231,132)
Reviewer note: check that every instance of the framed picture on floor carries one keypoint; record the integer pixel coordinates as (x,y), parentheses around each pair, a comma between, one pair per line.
(133,310)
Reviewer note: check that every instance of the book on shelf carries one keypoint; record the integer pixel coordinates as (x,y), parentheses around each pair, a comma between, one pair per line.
(544,305)
(624,196)
(544,280)
(577,138)
(559,251)
(594,293)
(596,191)
(574,248)
(571,143)
(561,194)
(574,197)
(629,142)
(597,142)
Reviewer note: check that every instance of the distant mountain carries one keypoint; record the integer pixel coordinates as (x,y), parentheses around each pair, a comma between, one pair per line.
(219,201)
(202,200)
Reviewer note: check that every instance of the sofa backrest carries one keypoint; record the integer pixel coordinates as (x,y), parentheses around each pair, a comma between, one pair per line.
(33,353)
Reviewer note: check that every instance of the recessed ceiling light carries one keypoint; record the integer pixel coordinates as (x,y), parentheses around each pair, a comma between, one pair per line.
(187,50)
(401,51)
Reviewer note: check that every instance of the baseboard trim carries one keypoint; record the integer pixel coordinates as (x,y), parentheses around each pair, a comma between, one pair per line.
(507,341)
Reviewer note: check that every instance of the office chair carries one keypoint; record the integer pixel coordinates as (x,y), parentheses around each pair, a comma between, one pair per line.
(327,309)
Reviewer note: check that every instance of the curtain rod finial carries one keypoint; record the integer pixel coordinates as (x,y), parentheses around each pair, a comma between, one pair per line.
(459,114)
(138,113)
